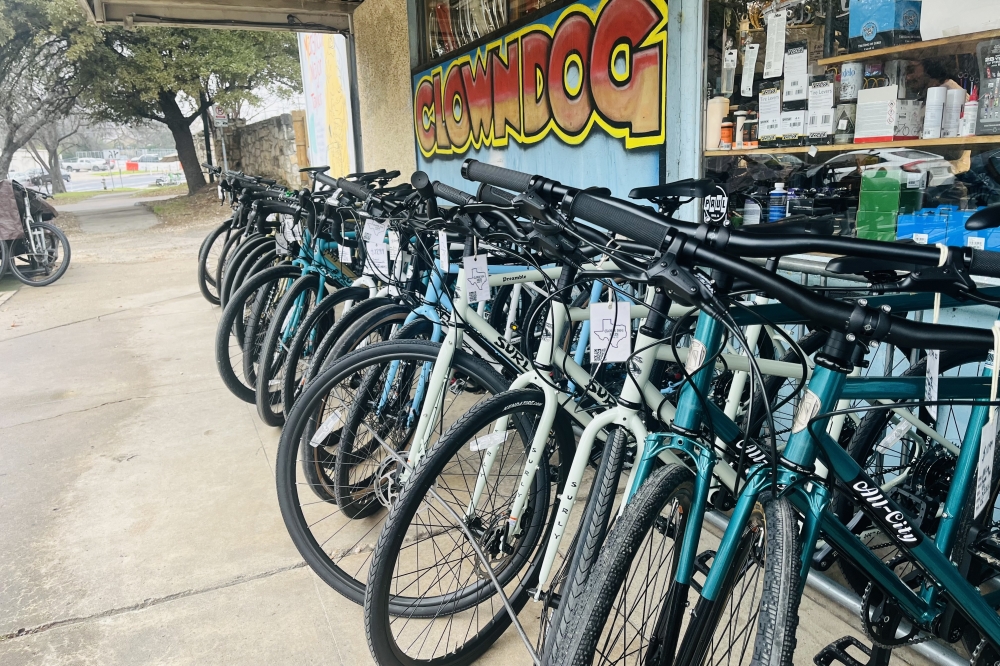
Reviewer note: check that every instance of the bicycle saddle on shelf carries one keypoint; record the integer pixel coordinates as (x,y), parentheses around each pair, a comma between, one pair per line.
(680,188)
(987,218)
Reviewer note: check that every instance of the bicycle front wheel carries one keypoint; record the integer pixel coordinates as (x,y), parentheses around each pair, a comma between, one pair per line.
(370,397)
(42,262)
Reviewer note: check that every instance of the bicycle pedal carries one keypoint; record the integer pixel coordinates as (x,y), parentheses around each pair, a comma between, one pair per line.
(836,652)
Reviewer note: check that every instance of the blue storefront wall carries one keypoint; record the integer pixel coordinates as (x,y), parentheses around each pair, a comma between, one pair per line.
(577,95)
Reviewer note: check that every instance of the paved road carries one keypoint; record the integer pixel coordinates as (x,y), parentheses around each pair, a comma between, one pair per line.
(138,517)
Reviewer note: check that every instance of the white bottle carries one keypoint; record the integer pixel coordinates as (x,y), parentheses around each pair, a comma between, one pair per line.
(954,102)
(933,112)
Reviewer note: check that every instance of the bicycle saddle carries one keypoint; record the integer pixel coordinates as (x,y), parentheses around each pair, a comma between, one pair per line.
(799,224)
(863,266)
(680,188)
(987,218)
(316,169)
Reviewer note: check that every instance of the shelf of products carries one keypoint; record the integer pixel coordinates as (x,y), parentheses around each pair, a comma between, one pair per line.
(957,142)
(930,49)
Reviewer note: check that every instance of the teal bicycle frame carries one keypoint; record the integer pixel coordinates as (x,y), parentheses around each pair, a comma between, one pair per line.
(810,447)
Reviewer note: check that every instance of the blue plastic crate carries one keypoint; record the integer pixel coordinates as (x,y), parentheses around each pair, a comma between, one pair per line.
(928,225)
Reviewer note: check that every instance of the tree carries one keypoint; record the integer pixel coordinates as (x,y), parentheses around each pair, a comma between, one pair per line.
(169,76)
(49,138)
(42,46)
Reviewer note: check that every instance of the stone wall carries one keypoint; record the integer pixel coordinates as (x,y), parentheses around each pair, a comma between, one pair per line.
(382,45)
(265,148)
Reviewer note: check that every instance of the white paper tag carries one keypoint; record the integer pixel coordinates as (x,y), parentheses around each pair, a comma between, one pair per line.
(984,470)
(931,380)
(377,263)
(610,325)
(920,239)
(483,442)
(344,252)
(696,356)
(393,243)
(807,411)
(914,180)
(477,278)
(976,243)
(328,426)
(774,56)
(749,66)
(751,212)
(842,124)
(443,251)
(374,231)
(897,434)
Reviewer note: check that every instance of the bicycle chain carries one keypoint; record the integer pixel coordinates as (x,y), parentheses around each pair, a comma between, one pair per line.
(863,613)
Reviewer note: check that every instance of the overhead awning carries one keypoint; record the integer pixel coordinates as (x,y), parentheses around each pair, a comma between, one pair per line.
(297,15)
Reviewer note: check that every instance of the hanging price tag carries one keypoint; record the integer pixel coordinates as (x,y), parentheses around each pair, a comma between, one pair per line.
(374,231)
(344,253)
(483,442)
(378,259)
(931,380)
(897,433)
(610,339)
(477,278)
(443,251)
(984,470)
(393,243)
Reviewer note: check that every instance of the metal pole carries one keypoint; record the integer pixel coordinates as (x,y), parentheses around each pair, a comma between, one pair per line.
(208,138)
(222,138)
(352,84)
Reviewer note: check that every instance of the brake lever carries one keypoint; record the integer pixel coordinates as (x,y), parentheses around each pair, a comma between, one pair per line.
(951,279)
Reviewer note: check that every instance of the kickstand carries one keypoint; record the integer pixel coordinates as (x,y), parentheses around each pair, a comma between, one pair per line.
(836,652)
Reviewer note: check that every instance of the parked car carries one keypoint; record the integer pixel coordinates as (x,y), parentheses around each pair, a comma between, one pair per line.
(934,169)
(86,164)
(146,158)
(39,178)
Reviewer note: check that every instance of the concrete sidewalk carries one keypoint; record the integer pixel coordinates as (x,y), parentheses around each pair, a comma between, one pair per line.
(139,517)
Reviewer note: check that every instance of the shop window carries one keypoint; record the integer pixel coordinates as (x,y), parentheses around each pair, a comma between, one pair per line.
(450,25)
(841,102)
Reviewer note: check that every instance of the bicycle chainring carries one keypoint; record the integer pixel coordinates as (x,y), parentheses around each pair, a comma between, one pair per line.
(880,618)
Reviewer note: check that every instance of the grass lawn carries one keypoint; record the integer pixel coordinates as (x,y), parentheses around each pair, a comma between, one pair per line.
(200,207)
(76,197)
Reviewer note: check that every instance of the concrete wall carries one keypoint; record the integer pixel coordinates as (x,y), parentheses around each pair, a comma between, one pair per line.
(384,88)
(265,148)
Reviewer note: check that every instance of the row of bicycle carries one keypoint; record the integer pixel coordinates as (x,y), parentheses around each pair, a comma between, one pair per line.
(525,403)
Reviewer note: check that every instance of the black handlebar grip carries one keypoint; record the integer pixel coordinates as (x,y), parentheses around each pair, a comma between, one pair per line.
(452,194)
(355,190)
(620,218)
(325,179)
(494,195)
(494,175)
(985,263)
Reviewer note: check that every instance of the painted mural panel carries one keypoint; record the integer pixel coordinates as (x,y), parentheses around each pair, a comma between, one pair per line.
(328,114)
(578,94)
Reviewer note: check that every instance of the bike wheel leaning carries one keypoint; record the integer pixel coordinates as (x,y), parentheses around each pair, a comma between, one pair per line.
(45,262)
(631,605)
(430,597)
(208,261)
(336,547)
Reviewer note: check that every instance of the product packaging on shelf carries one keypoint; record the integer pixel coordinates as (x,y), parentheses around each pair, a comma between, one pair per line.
(878,205)
(876,115)
(909,119)
(988,53)
(876,24)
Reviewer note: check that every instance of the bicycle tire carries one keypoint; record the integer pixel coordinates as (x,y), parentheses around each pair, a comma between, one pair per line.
(518,568)
(206,274)
(235,261)
(380,322)
(320,320)
(612,572)
(244,260)
(299,298)
(300,429)
(223,266)
(21,273)
(322,358)
(229,357)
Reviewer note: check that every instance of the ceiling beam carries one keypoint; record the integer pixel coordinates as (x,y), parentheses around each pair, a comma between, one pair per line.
(296,15)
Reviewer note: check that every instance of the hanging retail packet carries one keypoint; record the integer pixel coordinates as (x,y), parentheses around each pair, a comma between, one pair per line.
(477,278)
(610,332)
(344,252)
(443,251)
(931,380)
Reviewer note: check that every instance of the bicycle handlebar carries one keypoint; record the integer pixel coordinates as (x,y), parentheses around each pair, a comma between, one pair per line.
(642,224)
(494,195)
(352,188)
(452,194)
